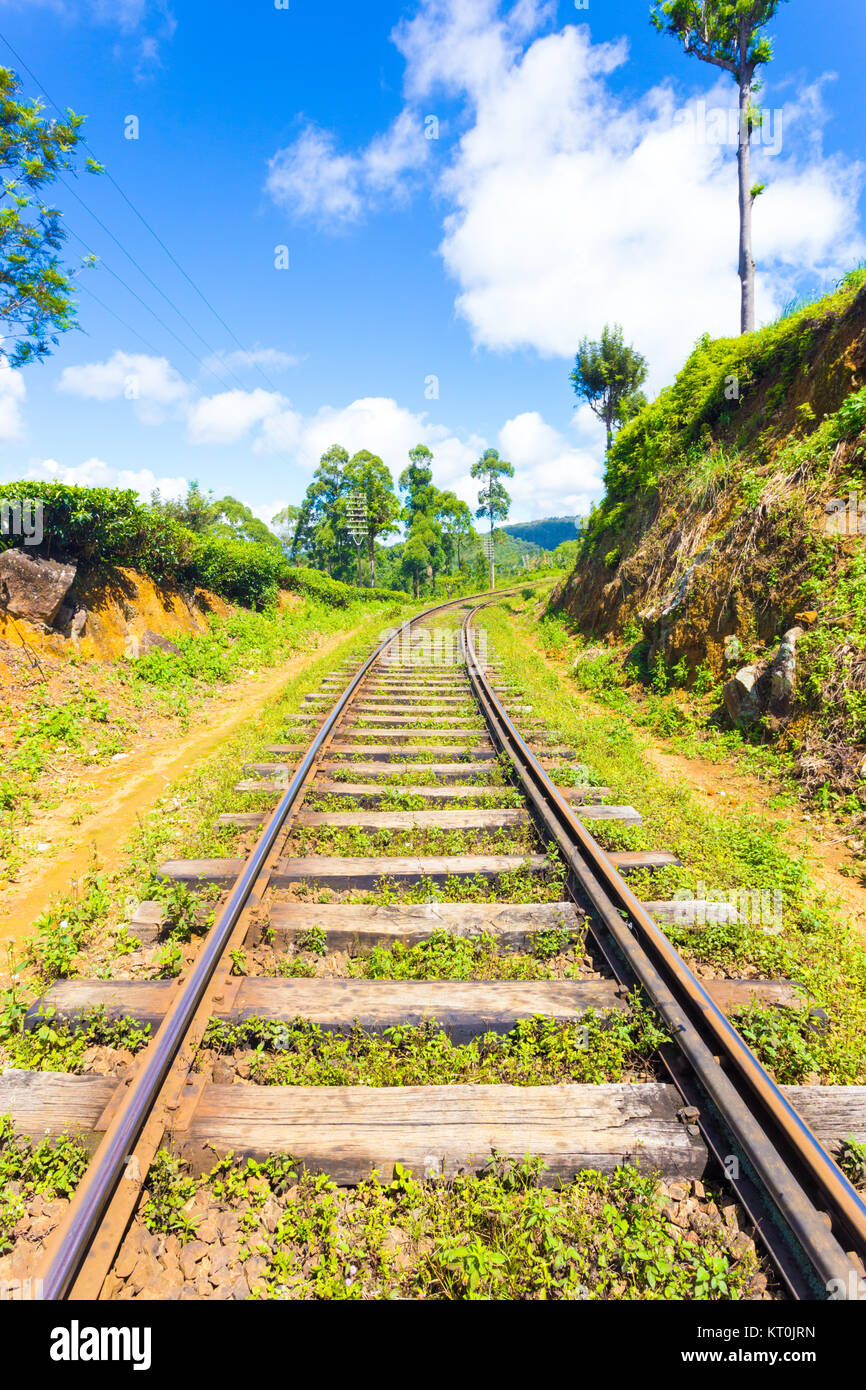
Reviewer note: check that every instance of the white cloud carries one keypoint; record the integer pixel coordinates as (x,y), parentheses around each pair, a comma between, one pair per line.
(550,475)
(312,179)
(228,416)
(12,394)
(150,383)
(376,423)
(95,472)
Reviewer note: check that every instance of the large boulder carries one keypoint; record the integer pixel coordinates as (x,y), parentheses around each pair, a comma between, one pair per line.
(33,588)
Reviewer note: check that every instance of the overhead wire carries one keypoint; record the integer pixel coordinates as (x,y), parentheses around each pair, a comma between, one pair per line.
(157,238)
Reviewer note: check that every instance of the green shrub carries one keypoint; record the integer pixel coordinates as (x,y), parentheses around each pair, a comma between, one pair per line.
(110,526)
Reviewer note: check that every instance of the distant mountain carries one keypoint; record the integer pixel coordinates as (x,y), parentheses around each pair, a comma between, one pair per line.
(549,533)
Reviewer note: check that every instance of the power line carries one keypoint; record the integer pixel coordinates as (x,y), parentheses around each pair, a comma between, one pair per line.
(128,327)
(168,301)
(146,224)
(146,306)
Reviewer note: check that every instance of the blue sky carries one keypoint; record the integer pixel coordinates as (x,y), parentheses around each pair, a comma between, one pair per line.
(436,288)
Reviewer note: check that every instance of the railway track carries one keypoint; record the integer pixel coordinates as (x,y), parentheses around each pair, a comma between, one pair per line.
(454,740)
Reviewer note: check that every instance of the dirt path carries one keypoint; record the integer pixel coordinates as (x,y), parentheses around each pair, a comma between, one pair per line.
(724,789)
(125,788)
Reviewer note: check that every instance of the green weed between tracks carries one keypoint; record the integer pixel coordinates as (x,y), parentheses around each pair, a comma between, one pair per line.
(500,1234)
(599,1047)
(50,1168)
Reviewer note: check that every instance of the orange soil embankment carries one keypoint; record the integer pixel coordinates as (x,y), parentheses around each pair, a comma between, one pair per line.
(124,609)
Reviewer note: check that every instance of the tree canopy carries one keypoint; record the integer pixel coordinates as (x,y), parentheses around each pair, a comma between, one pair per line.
(608,375)
(36,303)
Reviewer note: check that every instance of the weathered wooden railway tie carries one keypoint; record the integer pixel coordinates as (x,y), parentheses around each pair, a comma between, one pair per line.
(396,722)
(347,1131)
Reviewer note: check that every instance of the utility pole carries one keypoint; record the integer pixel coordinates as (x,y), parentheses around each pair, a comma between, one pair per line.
(357,525)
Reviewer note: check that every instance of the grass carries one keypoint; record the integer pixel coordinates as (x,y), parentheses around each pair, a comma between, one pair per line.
(600,1047)
(77,933)
(57,1045)
(51,1168)
(448,957)
(434,840)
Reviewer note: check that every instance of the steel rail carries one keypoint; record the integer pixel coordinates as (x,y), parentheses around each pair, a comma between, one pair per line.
(107,1164)
(694,1021)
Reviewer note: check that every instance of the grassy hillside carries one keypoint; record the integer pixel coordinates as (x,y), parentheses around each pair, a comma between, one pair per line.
(712,539)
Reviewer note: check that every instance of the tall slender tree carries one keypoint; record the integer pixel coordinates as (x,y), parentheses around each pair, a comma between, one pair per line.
(493,500)
(608,375)
(323,511)
(727,34)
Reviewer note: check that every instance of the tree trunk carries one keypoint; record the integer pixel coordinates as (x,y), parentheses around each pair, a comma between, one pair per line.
(492,561)
(372,553)
(360,580)
(744,163)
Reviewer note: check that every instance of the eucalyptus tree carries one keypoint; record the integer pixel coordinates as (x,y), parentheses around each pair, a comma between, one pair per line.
(728,35)
(456,521)
(493,500)
(323,513)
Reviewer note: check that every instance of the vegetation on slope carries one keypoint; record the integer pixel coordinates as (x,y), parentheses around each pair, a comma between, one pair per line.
(712,540)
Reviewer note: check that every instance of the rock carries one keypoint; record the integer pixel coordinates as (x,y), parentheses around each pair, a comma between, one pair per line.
(190,1257)
(740,1245)
(679,1191)
(223,1072)
(665,626)
(228,1225)
(146,1273)
(112,1286)
(741,696)
(207,1231)
(79,623)
(271,1214)
(33,588)
(152,641)
(783,672)
(254,1268)
(394,1239)
(127,1259)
